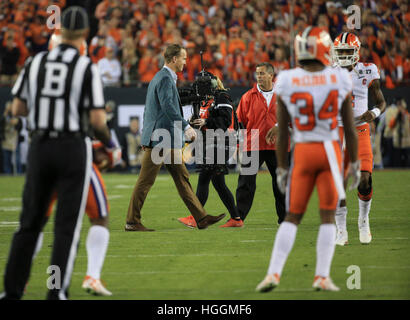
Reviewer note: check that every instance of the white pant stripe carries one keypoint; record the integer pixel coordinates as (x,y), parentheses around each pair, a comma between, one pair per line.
(76,237)
(334,168)
(99,194)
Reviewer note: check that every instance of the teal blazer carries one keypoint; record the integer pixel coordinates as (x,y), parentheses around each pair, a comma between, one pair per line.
(163,113)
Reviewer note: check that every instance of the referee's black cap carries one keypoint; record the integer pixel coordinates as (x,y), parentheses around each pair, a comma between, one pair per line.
(74,18)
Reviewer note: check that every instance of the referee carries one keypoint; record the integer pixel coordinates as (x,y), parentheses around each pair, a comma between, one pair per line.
(61,93)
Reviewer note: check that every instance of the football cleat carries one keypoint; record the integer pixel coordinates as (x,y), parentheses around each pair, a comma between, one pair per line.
(365,235)
(270,282)
(94,286)
(324,283)
(232,223)
(188,221)
(342,238)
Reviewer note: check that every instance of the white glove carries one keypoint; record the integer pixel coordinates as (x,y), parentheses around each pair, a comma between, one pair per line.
(282,179)
(354,171)
(190,134)
(115,155)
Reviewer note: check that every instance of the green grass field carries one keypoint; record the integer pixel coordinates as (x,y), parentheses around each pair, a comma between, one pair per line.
(178,263)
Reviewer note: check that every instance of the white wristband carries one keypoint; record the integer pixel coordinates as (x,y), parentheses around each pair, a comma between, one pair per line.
(376,112)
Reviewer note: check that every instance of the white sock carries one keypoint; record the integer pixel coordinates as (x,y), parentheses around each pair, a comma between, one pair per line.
(39,244)
(97,243)
(364,209)
(285,237)
(325,248)
(340,217)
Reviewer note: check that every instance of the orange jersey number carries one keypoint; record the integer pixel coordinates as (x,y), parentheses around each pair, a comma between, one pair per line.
(307,110)
(327,111)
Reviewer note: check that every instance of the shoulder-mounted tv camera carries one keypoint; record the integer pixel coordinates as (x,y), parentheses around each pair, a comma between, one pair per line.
(200,91)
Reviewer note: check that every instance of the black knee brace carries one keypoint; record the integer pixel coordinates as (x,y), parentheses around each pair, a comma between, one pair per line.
(366,191)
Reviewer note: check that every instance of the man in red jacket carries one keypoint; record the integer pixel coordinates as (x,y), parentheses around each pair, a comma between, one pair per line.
(257,111)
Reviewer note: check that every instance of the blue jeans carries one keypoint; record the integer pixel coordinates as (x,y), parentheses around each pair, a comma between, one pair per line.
(7,161)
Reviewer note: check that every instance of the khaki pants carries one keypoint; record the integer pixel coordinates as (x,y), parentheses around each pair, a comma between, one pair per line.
(146,179)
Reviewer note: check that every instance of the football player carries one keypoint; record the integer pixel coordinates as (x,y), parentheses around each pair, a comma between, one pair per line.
(311,97)
(365,78)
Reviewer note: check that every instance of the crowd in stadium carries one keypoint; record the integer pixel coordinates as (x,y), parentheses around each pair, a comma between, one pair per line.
(235,35)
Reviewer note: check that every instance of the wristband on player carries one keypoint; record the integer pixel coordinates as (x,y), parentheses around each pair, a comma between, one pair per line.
(376,112)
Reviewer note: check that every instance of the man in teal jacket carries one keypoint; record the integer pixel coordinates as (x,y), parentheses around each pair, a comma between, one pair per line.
(163,133)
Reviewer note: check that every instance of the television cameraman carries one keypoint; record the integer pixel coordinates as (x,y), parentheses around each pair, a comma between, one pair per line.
(212,111)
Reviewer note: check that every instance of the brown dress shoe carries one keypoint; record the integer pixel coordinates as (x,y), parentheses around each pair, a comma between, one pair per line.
(208,220)
(136,227)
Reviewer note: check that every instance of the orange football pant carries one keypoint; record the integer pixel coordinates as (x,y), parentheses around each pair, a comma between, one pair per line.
(365,153)
(97,203)
(310,167)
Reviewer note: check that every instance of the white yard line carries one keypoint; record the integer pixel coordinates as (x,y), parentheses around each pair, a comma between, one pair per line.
(10,199)
(10,208)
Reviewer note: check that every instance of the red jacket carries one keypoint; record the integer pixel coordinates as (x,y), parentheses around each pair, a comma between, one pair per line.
(254,113)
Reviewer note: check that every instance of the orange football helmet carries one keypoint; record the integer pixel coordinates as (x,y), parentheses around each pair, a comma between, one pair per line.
(314,43)
(346,49)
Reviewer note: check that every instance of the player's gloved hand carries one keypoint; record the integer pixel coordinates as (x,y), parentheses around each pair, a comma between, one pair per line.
(115,154)
(282,178)
(354,171)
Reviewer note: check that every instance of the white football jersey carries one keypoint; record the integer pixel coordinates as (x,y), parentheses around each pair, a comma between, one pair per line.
(363,75)
(313,101)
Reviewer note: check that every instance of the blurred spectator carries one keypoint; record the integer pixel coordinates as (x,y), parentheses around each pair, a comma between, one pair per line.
(129,61)
(133,143)
(400,125)
(110,68)
(100,42)
(148,66)
(237,65)
(193,65)
(9,56)
(280,63)
(102,9)
(110,107)
(39,33)
(9,140)
(376,139)
(387,141)
(216,60)
(23,144)
(392,63)
(369,56)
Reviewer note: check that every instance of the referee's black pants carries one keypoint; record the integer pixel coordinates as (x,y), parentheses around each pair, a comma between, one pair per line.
(245,191)
(62,164)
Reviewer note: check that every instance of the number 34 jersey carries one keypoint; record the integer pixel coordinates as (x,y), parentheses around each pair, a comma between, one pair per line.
(313,101)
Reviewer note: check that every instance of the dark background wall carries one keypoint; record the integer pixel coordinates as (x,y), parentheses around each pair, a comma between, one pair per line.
(136,96)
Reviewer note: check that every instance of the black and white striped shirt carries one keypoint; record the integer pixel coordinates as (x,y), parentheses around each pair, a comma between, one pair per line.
(59,86)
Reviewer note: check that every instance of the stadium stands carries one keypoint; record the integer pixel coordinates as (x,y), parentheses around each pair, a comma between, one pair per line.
(235,34)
